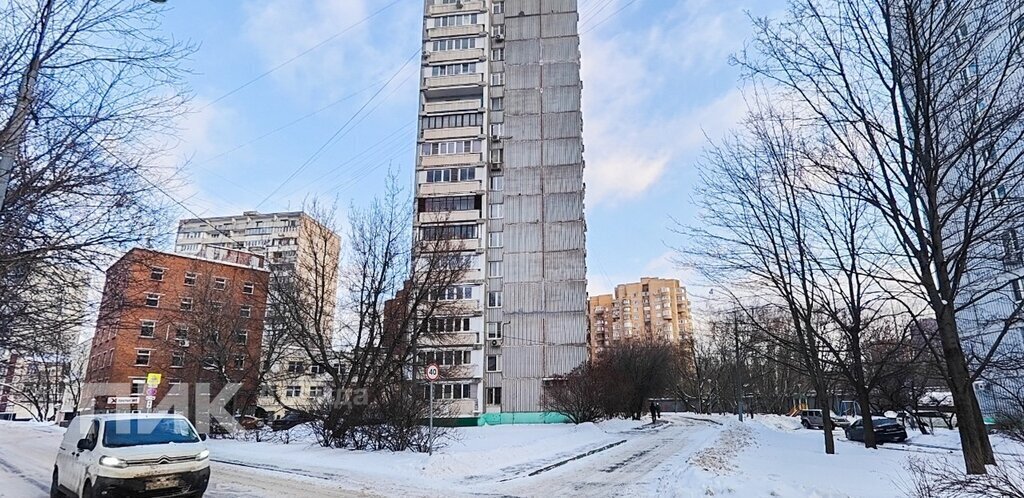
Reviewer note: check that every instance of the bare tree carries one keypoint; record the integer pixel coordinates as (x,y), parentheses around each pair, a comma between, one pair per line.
(90,93)
(396,290)
(922,98)
(576,395)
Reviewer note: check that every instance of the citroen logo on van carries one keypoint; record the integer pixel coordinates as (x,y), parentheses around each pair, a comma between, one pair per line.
(164,460)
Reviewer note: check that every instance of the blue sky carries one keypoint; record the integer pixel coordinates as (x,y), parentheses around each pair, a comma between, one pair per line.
(656,80)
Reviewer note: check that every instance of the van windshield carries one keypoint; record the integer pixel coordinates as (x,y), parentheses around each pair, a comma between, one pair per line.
(138,432)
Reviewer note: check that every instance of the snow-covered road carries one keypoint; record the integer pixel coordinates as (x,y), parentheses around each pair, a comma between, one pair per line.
(633,466)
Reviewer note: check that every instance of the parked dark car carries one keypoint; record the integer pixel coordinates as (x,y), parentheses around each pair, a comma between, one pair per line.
(289,420)
(887,430)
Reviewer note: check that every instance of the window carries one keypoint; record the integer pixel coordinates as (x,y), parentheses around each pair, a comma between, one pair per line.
(177,360)
(186,304)
(448,232)
(142,357)
(453,293)
(493,395)
(498,54)
(296,367)
(245,311)
(190,279)
(216,306)
(494,299)
(239,361)
(220,283)
(494,269)
(181,335)
(497,156)
(449,324)
(452,391)
(156,273)
(452,147)
(497,129)
(454,203)
(153,300)
(317,369)
(138,387)
(1011,247)
(454,44)
(494,330)
(498,30)
(457,20)
(316,391)
(495,211)
(241,336)
(493,363)
(498,183)
(1018,290)
(248,288)
(452,121)
(498,8)
(445,358)
(293,391)
(453,69)
(451,175)
(493,239)
(174,387)
(148,329)
(497,103)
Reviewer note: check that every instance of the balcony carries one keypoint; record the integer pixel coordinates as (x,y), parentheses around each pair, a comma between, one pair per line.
(468,7)
(451,216)
(443,133)
(458,80)
(452,106)
(450,159)
(453,31)
(447,188)
(456,55)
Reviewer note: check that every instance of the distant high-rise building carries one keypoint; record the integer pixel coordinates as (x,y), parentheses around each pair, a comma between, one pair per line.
(655,309)
(293,243)
(500,166)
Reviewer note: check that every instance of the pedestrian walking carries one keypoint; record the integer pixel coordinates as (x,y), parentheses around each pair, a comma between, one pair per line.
(654,412)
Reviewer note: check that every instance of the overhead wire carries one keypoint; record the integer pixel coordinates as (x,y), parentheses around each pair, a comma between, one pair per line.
(301,54)
(339,132)
(602,21)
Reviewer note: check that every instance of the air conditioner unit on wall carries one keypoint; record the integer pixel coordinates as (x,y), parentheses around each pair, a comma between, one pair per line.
(495,343)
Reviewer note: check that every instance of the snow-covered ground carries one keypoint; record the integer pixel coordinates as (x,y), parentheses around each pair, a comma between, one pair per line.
(686,456)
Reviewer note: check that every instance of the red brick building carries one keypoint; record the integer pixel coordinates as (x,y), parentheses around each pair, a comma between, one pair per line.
(191,319)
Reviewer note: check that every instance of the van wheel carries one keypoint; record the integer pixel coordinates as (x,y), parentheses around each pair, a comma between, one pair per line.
(55,486)
(87,490)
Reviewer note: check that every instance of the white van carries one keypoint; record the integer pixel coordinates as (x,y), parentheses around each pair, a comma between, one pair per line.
(131,454)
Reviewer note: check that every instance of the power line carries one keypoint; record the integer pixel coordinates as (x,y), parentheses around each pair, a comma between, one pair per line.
(595,11)
(301,54)
(602,21)
(339,130)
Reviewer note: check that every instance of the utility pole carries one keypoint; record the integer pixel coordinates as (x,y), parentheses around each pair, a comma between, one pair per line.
(739,386)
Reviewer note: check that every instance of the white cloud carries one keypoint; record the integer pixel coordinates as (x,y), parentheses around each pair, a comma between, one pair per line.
(639,121)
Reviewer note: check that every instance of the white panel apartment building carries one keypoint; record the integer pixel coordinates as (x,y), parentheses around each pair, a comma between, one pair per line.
(282,238)
(501,158)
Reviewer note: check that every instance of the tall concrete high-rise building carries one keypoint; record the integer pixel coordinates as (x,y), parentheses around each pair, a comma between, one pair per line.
(652,309)
(500,165)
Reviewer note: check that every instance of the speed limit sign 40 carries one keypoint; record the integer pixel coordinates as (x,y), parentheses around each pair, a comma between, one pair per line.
(433,372)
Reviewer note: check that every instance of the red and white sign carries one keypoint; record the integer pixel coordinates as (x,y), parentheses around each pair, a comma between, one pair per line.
(433,372)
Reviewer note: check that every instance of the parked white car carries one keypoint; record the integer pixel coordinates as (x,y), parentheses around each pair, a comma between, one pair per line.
(131,454)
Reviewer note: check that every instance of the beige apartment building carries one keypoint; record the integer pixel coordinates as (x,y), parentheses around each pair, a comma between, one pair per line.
(290,242)
(651,309)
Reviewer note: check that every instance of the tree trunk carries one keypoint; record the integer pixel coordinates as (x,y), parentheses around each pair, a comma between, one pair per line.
(974,439)
(865,412)
(826,418)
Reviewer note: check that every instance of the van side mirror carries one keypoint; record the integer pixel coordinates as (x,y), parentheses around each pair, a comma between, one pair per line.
(202,436)
(85,444)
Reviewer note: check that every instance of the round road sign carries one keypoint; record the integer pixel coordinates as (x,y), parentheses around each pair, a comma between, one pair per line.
(433,372)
